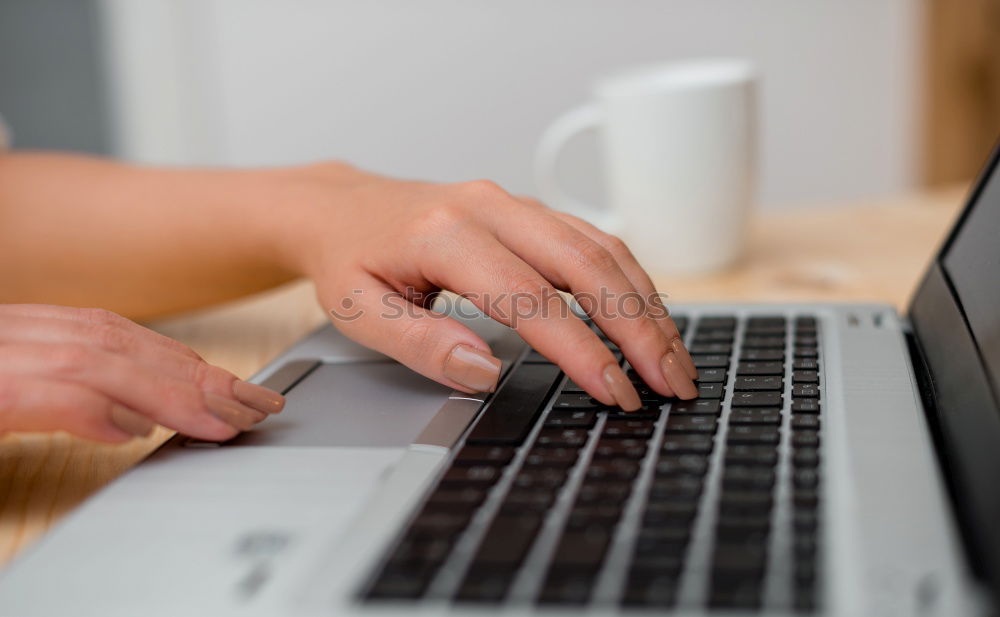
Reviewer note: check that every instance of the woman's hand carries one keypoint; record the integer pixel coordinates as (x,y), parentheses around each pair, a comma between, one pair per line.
(379,248)
(103,377)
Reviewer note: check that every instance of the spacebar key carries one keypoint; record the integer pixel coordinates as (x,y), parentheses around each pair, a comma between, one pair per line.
(509,418)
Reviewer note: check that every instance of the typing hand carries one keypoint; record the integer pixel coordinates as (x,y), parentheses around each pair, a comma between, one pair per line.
(103,377)
(378,249)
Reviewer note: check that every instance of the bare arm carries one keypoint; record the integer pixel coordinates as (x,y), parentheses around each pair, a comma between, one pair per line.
(142,242)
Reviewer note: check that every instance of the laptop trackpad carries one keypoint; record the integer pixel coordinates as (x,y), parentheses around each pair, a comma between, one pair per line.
(363,404)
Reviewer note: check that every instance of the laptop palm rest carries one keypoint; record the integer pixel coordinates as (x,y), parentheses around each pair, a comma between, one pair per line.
(357,405)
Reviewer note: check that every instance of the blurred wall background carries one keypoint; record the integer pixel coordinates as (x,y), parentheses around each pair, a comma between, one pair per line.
(460,89)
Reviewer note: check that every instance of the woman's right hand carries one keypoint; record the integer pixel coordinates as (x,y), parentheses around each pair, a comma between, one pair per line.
(100,376)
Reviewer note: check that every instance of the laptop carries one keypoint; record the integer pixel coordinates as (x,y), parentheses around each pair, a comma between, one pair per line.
(840,460)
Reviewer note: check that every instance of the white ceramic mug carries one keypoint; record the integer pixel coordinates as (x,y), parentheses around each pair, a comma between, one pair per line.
(679,150)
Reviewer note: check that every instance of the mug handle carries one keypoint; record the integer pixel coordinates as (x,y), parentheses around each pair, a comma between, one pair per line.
(582,119)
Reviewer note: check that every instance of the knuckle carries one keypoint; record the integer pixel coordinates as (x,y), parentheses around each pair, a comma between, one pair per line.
(591,256)
(100,316)
(615,245)
(110,337)
(485,189)
(445,218)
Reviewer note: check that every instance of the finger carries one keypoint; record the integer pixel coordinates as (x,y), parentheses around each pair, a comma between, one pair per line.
(640,279)
(32,404)
(430,343)
(98,319)
(137,344)
(510,291)
(562,253)
(174,403)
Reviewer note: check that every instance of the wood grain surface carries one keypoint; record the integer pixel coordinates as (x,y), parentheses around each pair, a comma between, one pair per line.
(861,252)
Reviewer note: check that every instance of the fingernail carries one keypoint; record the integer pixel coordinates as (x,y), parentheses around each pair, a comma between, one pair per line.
(130,421)
(621,388)
(232,413)
(682,353)
(472,368)
(677,377)
(258,397)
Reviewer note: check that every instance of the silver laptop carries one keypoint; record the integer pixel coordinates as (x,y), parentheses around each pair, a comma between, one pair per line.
(840,460)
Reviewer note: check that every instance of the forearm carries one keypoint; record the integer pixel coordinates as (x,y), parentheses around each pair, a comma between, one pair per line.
(81,231)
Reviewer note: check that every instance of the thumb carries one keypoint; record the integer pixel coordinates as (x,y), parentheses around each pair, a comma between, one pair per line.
(430,343)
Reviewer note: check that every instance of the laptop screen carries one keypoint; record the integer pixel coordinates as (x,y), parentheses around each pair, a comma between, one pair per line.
(956,324)
(972,263)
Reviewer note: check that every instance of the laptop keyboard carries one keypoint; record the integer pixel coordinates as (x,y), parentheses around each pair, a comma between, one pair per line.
(710,502)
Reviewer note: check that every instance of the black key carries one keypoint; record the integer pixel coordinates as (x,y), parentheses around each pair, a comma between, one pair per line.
(756,399)
(805,321)
(805,341)
(805,364)
(804,546)
(691,424)
(804,520)
(576,418)
(582,549)
(711,348)
(570,588)
(805,498)
(485,584)
(561,438)
(752,455)
(512,414)
(622,428)
(540,478)
(682,465)
(805,391)
(740,477)
(711,361)
(671,540)
(755,416)
(620,448)
(648,395)
(648,412)
(677,513)
(507,540)
(687,444)
(760,321)
(745,503)
(698,406)
(661,563)
(717,321)
(399,585)
(805,439)
(675,489)
(742,528)
(653,589)
(571,386)
(802,422)
(603,493)
(522,500)
(703,337)
(753,435)
(552,457)
(762,355)
(806,352)
(437,524)
(735,593)
(710,390)
(482,476)
(738,560)
(711,375)
(805,478)
(805,457)
(455,499)
(759,383)
(805,377)
(589,515)
(420,552)
(776,368)
(575,400)
(764,342)
(484,455)
(805,406)
(612,470)
(765,331)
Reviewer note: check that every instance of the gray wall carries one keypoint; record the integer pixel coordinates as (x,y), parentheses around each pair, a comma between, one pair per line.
(52,86)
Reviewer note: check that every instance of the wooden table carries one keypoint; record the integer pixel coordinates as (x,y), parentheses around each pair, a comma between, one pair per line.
(862,252)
